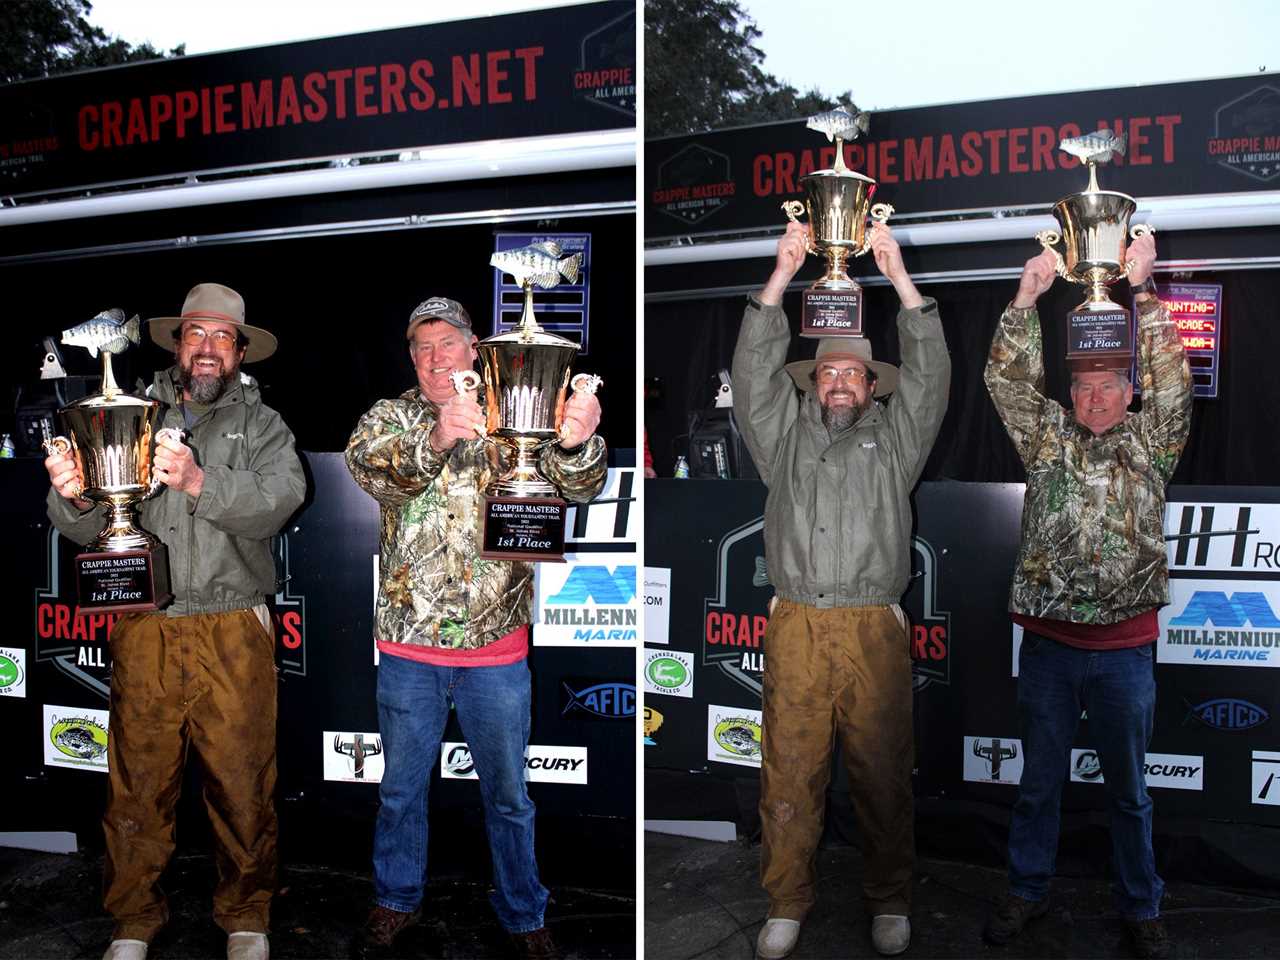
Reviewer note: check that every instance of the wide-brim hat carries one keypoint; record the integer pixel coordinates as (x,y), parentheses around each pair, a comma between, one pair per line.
(845,348)
(213,301)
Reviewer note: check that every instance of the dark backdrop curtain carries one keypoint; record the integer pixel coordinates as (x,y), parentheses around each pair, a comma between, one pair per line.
(1232,436)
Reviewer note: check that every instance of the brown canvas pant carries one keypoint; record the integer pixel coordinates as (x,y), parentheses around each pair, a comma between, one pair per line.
(844,671)
(204,683)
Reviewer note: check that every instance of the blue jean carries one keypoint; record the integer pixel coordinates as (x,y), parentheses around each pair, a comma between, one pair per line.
(1117,688)
(493,708)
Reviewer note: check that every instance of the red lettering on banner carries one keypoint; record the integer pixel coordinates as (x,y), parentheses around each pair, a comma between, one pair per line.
(364,92)
(88,136)
(466,79)
(1166,125)
(1065,132)
(761,168)
(1138,140)
(918,159)
(222,109)
(291,629)
(855,156)
(1017,150)
(724,629)
(339,79)
(971,165)
(187,105)
(928,643)
(806,164)
(317,107)
(529,56)
(947,164)
(1042,146)
(420,74)
(494,76)
(785,171)
(256,110)
(392,83)
(205,126)
(888,159)
(161,111)
(288,110)
(137,126)
(994,137)
(112,116)
(62,622)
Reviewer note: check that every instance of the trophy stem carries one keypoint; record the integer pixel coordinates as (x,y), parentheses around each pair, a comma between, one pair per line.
(839,165)
(836,277)
(109,386)
(523,479)
(528,322)
(1093,178)
(122,531)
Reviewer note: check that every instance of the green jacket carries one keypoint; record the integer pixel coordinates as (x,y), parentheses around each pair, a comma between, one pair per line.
(1092,547)
(837,522)
(434,589)
(220,542)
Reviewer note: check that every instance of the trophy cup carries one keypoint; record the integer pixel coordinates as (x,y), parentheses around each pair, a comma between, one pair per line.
(838,202)
(111,436)
(1095,228)
(526,379)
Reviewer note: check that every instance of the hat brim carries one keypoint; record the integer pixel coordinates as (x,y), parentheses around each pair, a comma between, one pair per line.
(262,343)
(886,375)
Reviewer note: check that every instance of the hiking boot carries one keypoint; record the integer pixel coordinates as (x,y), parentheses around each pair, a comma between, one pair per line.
(1148,938)
(890,934)
(383,927)
(777,939)
(1009,916)
(536,945)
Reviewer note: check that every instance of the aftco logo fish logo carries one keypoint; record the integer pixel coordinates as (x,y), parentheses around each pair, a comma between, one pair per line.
(613,701)
(1228,713)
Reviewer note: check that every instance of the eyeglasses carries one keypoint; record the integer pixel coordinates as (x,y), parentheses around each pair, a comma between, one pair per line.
(851,375)
(195,336)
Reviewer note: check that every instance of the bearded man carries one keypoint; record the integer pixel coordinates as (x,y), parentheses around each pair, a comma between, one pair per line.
(840,467)
(198,676)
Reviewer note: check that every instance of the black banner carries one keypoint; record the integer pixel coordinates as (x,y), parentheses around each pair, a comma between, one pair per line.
(554,71)
(1209,136)
(1214,753)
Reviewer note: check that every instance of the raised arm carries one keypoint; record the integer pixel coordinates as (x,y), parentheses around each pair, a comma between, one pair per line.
(390,453)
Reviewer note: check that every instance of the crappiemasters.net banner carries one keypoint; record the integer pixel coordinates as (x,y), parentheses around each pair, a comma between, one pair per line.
(1210,136)
(545,72)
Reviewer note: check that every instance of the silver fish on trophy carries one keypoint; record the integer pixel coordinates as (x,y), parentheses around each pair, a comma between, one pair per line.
(539,263)
(108,331)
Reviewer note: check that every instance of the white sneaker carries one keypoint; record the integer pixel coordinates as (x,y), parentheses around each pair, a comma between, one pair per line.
(777,939)
(890,934)
(126,950)
(247,946)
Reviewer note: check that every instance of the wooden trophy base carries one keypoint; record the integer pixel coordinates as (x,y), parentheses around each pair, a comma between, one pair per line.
(831,313)
(129,581)
(523,528)
(1100,338)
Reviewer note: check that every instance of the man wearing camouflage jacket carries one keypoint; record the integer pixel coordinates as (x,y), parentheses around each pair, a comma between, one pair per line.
(452,627)
(1090,575)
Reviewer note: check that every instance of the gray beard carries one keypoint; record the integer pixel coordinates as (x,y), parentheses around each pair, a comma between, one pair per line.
(841,418)
(205,390)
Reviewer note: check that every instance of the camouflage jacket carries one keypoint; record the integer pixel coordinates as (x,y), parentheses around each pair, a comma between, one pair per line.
(1092,547)
(434,590)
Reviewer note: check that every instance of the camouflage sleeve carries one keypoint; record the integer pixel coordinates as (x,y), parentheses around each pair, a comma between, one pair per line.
(389,454)
(1015,378)
(1165,377)
(578,473)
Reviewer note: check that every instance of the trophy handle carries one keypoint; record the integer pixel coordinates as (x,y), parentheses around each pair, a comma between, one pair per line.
(1048,238)
(1136,232)
(464,380)
(880,213)
(62,447)
(586,383)
(173,433)
(793,209)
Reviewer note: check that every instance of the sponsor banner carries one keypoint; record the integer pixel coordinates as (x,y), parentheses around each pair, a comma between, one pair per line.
(607,522)
(352,757)
(930,626)
(1221,623)
(75,737)
(1228,713)
(609,700)
(1266,778)
(538,73)
(734,620)
(567,311)
(542,763)
(734,735)
(657,605)
(1017,646)
(668,672)
(1223,538)
(13,672)
(1172,770)
(1207,136)
(652,721)
(993,759)
(588,601)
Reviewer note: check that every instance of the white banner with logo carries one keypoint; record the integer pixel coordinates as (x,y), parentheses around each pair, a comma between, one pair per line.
(542,763)
(1222,623)
(13,672)
(993,759)
(352,757)
(588,601)
(657,605)
(734,735)
(668,673)
(1266,778)
(75,737)
(1173,770)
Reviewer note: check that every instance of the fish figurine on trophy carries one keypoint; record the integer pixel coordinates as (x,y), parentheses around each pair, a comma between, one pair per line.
(1094,232)
(838,202)
(111,436)
(526,380)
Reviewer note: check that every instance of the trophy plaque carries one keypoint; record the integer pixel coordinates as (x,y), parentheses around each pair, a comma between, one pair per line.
(526,378)
(1094,230)
(837,202)
(111,435)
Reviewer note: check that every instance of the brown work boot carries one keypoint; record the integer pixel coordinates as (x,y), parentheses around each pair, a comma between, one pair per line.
(536,945)
(1009,916)
(382,928)
(1148,937)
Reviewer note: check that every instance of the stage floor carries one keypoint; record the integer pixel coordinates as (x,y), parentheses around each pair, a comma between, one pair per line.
(703,900)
